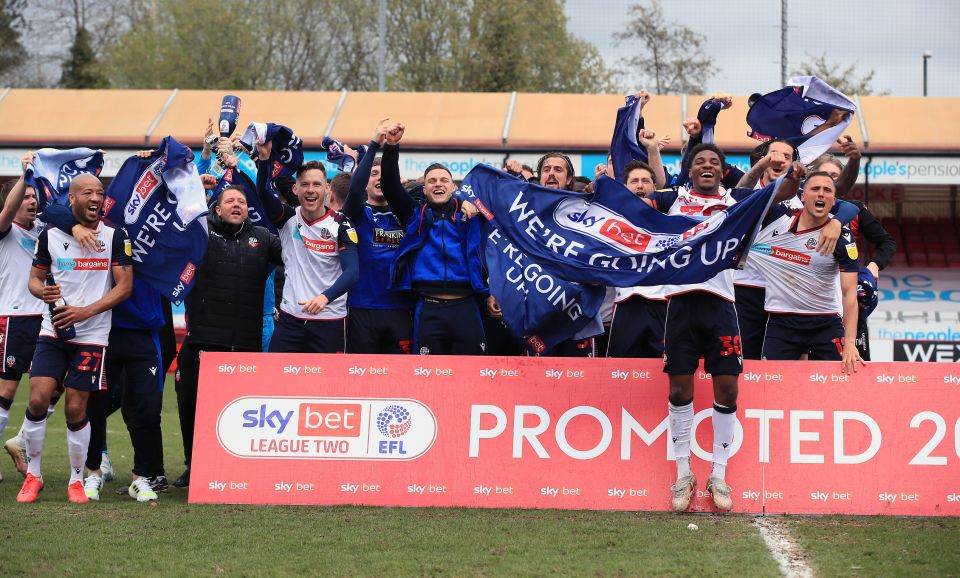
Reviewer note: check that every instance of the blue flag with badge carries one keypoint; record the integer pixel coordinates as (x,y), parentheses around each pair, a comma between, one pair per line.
(286,153)
(611,237)
(808,112)
(161,203)
(624,146)
(336,154)
(52,171)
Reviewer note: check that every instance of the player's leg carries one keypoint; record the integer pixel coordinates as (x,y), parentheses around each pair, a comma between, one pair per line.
(723,359)
(141,405)
(826,341)
(86,376)
(187,376)
(681,359)
(325,336)
(784,338)
(464,325)
(752,319)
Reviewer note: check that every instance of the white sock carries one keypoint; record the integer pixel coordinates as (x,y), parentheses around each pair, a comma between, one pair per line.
(681,423)
(4,416)
(77,443)
(34,432)
(724,425)
(49,413)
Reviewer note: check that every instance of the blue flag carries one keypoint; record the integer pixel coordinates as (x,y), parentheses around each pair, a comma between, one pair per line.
(796,113)
(707,115)
(160,201)
(52,171)
(336,154)
(540,308)
(624,146)
(237,178)
(610,237)
(286,154)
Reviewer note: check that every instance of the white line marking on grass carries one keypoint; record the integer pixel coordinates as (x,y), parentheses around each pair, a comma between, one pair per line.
(785,550)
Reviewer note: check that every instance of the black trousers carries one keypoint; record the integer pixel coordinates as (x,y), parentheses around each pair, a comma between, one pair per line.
(134,386)
(188,375)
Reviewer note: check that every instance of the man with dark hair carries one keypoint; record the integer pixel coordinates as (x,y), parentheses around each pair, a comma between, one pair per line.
(639,313)
(320,264)
(803,287)
(80,290)
(20,312)
(380,321)
(555,171)
(769,161)
(340,187)
(701,320)
(439,258)
(224,308)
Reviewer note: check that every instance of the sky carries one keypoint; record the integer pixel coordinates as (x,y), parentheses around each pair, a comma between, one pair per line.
(743,36)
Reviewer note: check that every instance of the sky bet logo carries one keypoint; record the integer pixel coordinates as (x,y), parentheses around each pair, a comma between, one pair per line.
(326,428)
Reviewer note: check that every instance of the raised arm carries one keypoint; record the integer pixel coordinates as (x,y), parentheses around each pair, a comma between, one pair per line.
(357,196)
(400,201)
(648,140)
(15,197)
(848,177)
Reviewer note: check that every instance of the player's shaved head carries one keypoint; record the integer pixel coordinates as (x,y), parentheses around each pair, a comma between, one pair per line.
(83,180)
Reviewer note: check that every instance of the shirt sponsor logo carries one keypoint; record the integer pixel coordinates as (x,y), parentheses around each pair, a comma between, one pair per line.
(788,255)
(391,238)
(83,264)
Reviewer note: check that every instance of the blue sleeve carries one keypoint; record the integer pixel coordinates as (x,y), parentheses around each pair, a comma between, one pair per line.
(400,201)
(203,165)
(845,212)
(845,246)
(357,196)
(350,264)
(744,192)
(663,200)
(277,211)
(775,213)
(59,216)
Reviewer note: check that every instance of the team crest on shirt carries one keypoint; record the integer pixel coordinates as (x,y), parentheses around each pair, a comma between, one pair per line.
(325,234)
(811,243)
(11,361)
(253,242)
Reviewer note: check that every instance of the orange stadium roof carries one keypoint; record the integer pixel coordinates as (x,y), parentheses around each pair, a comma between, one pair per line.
(509,121)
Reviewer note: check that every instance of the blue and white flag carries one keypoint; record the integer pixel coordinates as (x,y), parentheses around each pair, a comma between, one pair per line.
(707,115)
(796,113)
(286,154)
(52,171)
(540,309)
(624,146)
(161,203)
(609,237)
(256,213)
(336,154)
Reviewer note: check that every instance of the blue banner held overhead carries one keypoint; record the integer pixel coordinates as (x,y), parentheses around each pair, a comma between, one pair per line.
(612,238)
(52,171)
(161,203)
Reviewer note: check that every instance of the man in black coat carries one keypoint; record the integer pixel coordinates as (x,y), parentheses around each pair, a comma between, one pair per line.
(225,308)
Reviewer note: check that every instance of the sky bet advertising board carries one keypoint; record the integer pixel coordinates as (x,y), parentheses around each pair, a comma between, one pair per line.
(560,433)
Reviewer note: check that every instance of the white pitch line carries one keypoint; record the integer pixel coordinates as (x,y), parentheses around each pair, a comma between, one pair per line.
(784,549)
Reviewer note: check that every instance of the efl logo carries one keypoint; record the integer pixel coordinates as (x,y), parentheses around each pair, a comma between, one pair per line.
(188,272)
(326,428)
(623,233)
(330,420)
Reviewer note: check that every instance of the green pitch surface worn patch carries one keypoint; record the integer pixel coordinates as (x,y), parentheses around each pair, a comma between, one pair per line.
(880,546)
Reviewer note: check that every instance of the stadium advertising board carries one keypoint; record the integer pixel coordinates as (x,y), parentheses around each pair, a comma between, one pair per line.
(565,433)
(918,317)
